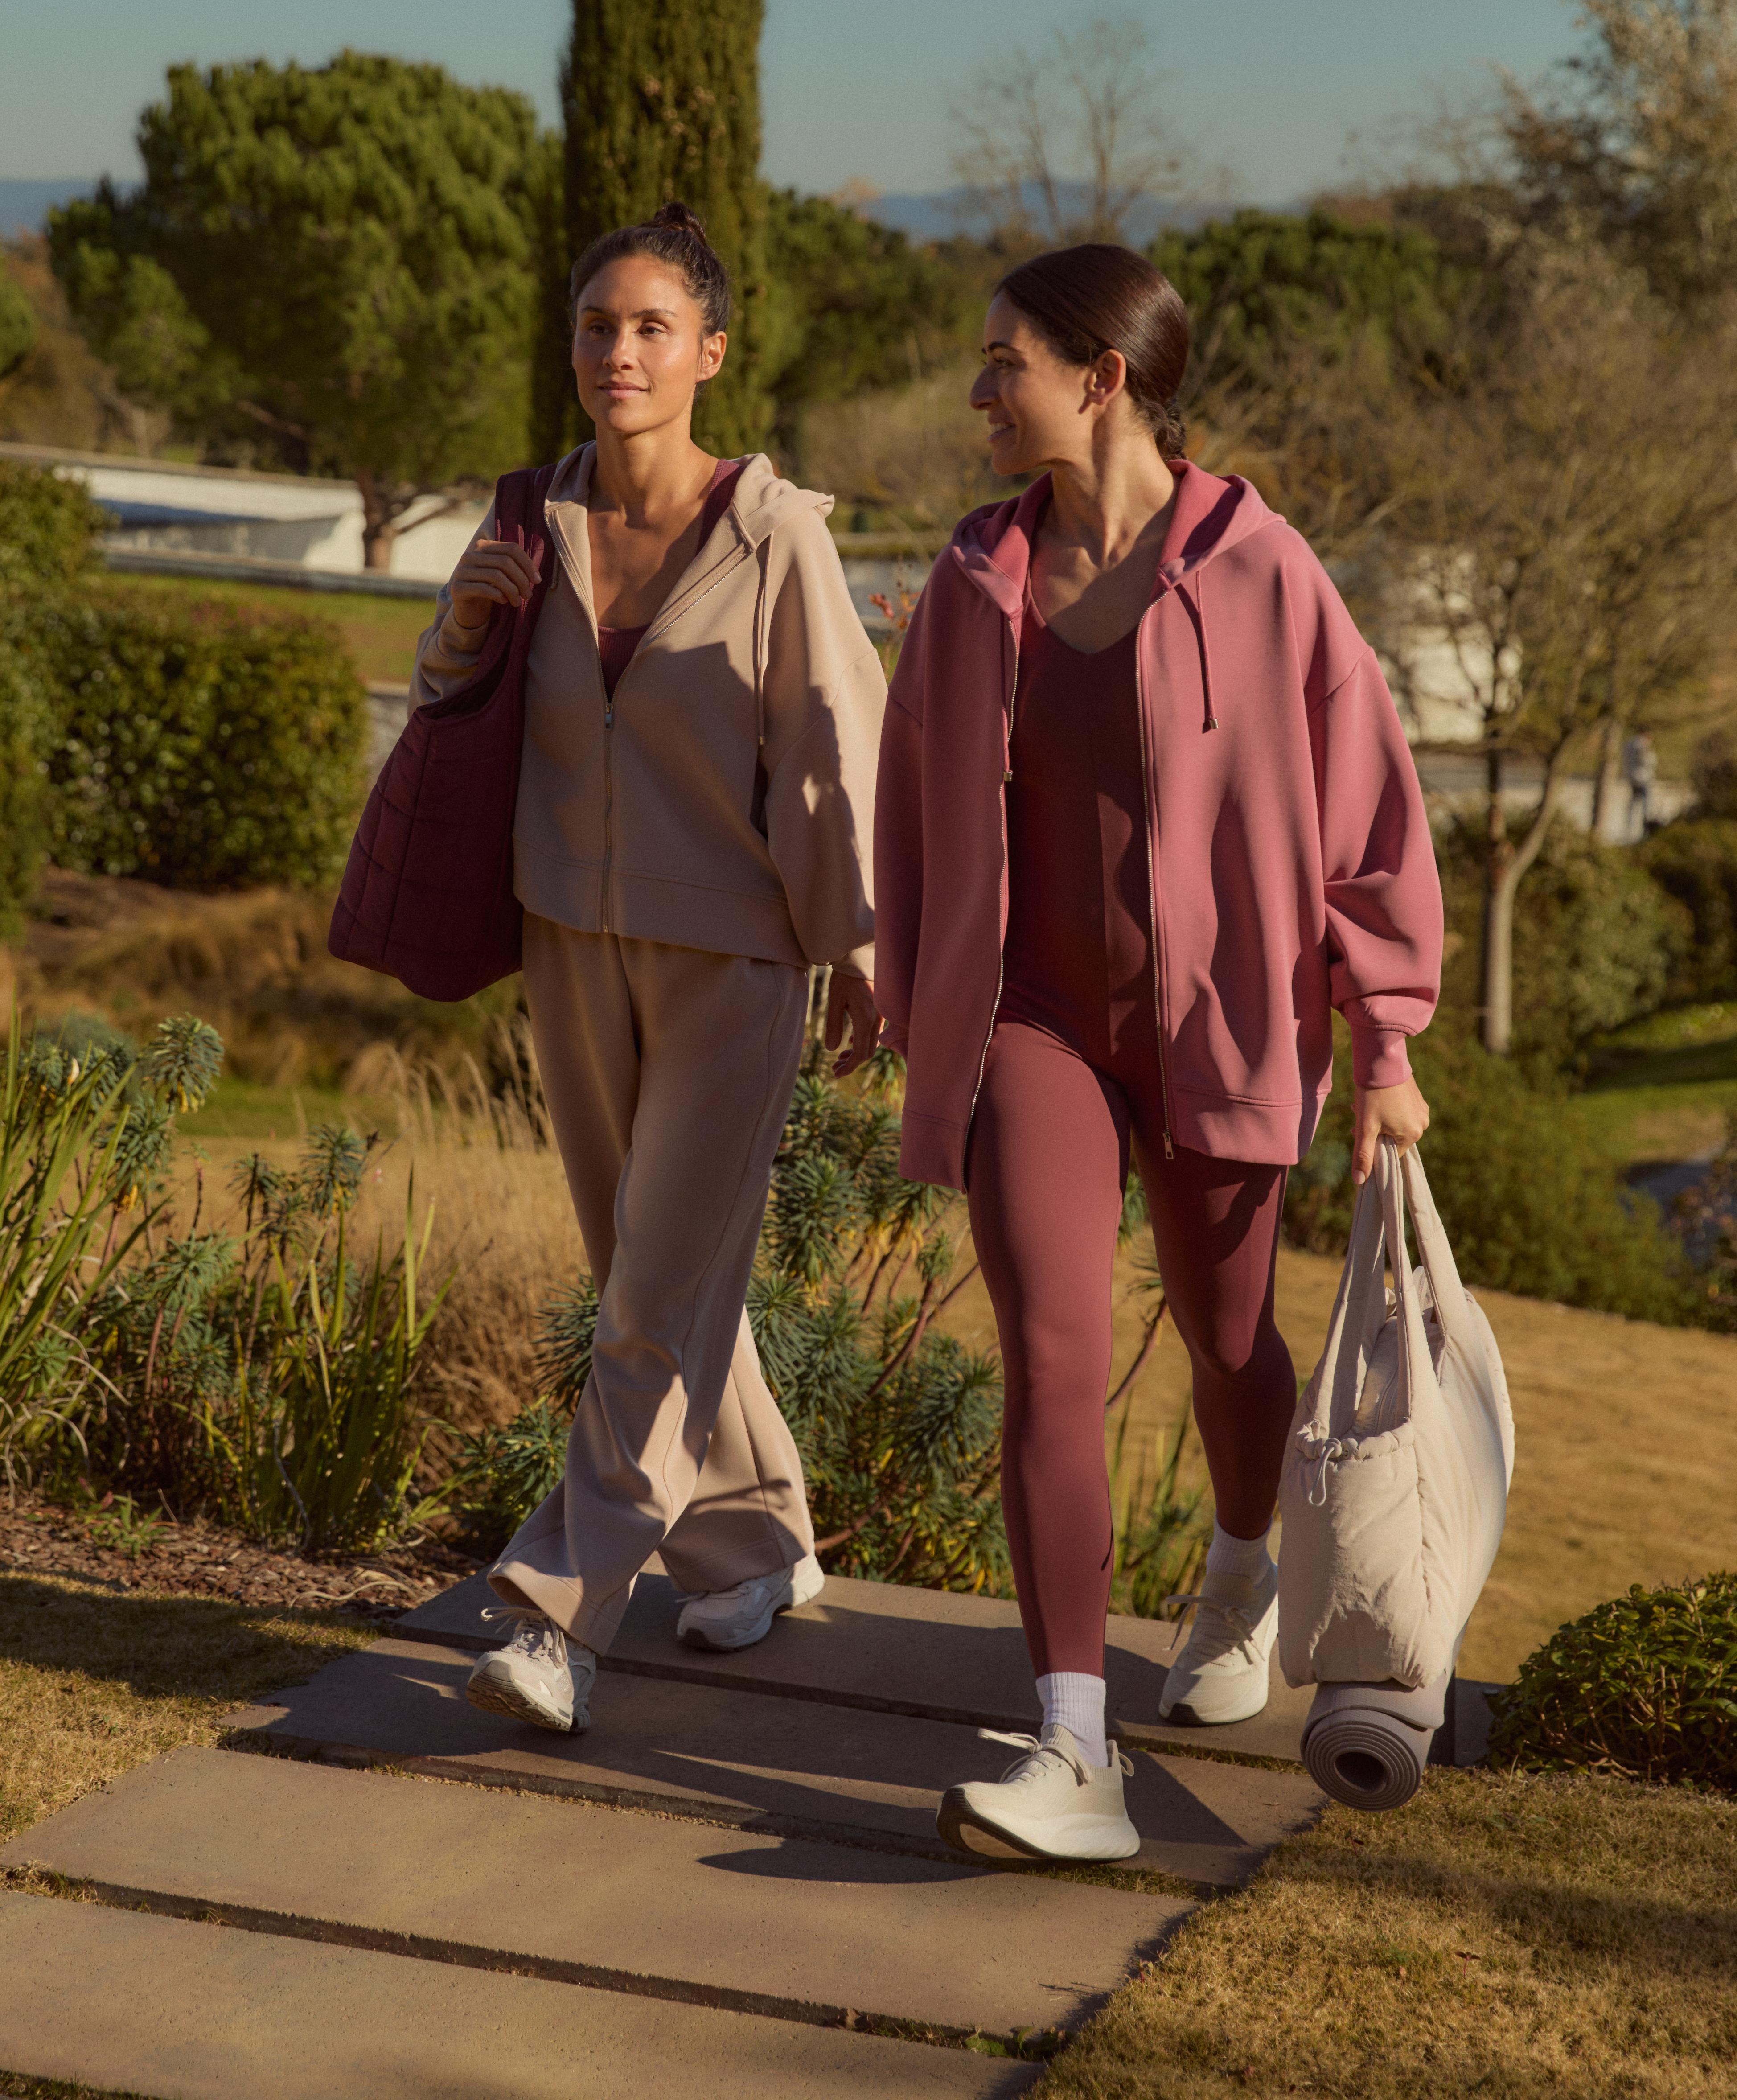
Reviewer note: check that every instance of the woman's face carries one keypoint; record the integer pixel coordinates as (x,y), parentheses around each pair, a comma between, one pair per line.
(640,346)
(1041,411)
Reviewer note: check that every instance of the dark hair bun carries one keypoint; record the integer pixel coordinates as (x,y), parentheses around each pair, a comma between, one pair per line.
(675,235)
(677,215)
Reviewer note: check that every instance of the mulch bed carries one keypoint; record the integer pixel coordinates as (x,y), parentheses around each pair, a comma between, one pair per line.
(199,1559)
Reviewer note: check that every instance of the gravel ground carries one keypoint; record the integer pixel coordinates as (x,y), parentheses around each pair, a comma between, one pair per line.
(199,1560)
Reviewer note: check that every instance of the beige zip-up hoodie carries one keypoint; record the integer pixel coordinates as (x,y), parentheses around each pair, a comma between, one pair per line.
(725,799)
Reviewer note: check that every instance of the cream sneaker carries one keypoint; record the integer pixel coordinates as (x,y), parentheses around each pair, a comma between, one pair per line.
(1221,1673)
(738,1617)
(1049,1804)
(537,1677)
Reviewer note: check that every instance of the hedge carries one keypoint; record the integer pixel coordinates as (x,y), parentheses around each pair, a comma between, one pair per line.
(1530,1204)
(26,717)
(48,528)
(200,747)
(1695,860)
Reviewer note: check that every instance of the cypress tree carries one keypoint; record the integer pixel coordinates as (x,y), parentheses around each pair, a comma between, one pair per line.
(663,102)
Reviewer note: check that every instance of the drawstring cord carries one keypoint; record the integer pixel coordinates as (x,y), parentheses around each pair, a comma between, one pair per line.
(1321,1452)
(1195,601)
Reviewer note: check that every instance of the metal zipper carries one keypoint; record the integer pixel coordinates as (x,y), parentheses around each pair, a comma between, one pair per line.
(1152,889)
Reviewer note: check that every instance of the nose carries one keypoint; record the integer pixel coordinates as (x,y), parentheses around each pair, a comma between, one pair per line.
(983,390)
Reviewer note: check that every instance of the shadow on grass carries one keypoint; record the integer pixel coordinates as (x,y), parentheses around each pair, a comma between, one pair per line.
(1690,1065)
(167,1647)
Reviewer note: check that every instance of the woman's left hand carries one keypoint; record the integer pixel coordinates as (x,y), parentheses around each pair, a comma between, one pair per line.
(1400,1112)
(851,999)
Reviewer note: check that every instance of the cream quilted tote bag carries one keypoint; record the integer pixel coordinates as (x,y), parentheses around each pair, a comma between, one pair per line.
(1396,1484)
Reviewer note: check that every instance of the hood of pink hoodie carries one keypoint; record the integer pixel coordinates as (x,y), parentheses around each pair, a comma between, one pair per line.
(1293,870)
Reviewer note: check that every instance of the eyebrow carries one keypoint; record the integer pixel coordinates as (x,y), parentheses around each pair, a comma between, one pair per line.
(642,313)
(989,347)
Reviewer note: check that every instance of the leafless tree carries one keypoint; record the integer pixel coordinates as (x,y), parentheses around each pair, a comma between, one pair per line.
(1065,145)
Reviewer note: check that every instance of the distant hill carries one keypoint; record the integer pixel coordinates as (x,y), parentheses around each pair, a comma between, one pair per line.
(934,214)
(24,206)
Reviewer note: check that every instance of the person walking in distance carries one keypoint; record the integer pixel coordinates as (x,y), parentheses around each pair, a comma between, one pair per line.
(1145,818)
(693,831)
(1640,768)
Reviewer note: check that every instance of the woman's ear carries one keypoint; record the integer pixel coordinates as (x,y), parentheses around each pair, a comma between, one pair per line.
(1105,378)
(712,350)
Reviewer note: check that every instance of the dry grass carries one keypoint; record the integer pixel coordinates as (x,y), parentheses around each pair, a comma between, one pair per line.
(918,450)
(92,1683)
(1612,1485)
(1501,1936)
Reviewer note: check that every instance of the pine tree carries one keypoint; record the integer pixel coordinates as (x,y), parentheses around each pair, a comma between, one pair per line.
(664,102)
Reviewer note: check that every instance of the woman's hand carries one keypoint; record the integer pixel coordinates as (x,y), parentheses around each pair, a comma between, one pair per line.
(1400,1112)
(493,572)
(851,999)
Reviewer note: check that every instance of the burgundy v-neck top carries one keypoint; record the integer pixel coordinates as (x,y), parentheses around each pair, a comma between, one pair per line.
(615,644)
(1077,958)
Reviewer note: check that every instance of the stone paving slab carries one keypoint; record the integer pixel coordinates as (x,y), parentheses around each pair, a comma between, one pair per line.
(882,1647)
(619,1899)
(793,1765)
(182,2011)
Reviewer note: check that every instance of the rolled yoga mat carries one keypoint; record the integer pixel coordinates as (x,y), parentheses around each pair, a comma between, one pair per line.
(1367,1744)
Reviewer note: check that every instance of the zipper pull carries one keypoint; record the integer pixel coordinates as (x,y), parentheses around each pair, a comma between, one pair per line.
(1005,778)
(609,716)
(1170,1150)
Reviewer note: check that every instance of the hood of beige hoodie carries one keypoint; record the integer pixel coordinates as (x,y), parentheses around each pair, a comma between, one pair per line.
(723,798)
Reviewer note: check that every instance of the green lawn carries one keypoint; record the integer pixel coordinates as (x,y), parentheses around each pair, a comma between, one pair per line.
(1664,1088)
(380,631)
(240,1108)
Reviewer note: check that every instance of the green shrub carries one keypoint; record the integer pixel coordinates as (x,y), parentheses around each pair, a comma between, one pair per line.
(17,325)
(26,737)
(1595,942)
(1713,773)
(1643,1688)
(204,748)
(48,528)
(1530,1203)
(1695,861)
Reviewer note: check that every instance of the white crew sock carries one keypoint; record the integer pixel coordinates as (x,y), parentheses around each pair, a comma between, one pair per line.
(1229,1555)
(1077,1702)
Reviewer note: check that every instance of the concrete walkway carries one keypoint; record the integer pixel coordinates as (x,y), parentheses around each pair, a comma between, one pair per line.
(730,1884)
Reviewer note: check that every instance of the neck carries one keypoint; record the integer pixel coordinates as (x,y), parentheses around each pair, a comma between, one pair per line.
(644,475)
(1106,503)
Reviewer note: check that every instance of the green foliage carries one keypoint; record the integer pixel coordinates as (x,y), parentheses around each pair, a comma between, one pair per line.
(1595,942)
(1260,278)
(851,305)
(899,1425)
(331,265)
(270,1379)
(48,528)
(501,1474)
(17,325)
(1694,862)
(1704,1221)
(73,1166)
(202,747)
(1714,774)
(1161,1542)
(1530,1203)
(1643,1688)
(664,102)
(26,736)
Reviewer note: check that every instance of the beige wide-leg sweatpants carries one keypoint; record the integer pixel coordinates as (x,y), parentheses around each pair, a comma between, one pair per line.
(668,1074)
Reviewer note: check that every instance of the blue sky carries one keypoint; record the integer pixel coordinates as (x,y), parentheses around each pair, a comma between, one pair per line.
(852,88)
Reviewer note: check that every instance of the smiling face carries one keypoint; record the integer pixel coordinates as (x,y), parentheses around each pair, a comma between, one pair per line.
(1041,412)
(640,347)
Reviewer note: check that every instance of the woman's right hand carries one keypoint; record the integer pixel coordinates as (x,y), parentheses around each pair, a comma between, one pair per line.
(492,572)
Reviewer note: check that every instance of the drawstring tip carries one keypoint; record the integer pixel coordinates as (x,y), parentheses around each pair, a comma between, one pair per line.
(1212,722)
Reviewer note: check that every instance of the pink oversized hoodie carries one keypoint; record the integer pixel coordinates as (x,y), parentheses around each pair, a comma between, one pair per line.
(1292,868)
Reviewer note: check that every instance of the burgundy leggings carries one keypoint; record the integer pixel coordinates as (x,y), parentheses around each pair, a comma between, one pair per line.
(1049,1155)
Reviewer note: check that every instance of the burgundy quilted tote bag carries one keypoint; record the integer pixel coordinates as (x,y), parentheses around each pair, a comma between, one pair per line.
(427,894)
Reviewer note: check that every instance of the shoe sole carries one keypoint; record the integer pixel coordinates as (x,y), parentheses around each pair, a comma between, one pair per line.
(697,1636)
(490,1695)
(967,1830)
(1184,1714)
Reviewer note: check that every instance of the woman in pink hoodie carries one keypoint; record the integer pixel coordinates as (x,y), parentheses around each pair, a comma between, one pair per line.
(1145,816)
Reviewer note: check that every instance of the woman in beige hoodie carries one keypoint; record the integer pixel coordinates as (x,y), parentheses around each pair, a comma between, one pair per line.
(695,808)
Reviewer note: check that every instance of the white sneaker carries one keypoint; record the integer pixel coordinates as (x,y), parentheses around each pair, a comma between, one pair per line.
(1221,1673)
(537,1677)
(1049,1804)
(738,1617)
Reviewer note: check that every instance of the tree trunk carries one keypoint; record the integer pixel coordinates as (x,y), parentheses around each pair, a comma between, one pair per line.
(379,524)
(1604,781)
(663,102)
(1506,862)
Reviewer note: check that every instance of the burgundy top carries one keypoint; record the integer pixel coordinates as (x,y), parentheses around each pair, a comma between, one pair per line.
(1078,957)
(615,644)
